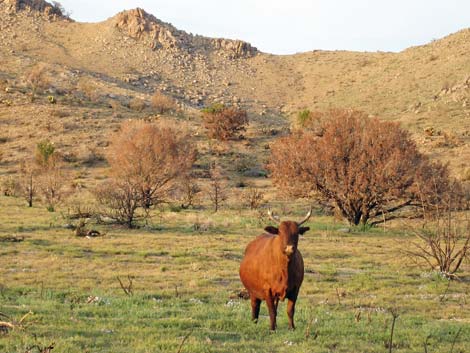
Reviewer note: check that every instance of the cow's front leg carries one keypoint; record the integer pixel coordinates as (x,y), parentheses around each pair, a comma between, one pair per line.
(272,307)
(290,313)
(255,305)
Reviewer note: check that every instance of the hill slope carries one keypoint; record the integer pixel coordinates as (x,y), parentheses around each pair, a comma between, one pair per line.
(133,54)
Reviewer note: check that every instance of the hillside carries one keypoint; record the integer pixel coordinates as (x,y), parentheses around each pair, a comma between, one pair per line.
(96,69)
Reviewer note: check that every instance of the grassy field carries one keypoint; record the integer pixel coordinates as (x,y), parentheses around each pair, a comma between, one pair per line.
(186,287)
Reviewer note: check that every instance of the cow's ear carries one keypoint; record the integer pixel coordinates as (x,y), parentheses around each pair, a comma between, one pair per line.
(302,230)
(271,230)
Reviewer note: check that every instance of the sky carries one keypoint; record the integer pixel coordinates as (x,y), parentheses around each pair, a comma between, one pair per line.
(292,26)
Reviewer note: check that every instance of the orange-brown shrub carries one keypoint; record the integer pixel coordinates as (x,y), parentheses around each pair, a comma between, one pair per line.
(146,161)
(365,168)
(162,103)
(224,123)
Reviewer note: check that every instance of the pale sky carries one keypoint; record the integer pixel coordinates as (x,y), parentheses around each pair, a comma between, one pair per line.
(291,26)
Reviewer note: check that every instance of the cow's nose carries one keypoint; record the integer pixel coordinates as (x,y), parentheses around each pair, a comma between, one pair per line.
(289,250)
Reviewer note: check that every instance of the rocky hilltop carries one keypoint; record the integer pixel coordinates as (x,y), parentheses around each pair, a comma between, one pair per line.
(160,35)
(32,6)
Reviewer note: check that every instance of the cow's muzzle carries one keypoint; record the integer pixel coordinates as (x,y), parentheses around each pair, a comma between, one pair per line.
(289,250)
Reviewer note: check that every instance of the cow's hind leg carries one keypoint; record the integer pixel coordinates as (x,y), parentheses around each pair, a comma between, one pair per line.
(255,305)
(272,307)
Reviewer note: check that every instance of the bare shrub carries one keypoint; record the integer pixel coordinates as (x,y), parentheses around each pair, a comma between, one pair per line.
(44,175)
(253,198)
(443,243)
(189,192)
(224,123)
(163,103)
(365,168)
(146,163)
(37,78)
(120,201)
(27,183)
(80,205)
(137,104)
(89,89)
(217,189)
(52,181)
(10,186)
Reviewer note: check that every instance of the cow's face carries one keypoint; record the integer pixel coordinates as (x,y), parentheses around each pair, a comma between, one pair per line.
(288,233)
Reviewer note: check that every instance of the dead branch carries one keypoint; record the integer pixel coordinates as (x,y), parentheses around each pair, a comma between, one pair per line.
(127,288)
(455,340)
(12,239)
(184,340)
(13,324)
(46,349)
(395,315)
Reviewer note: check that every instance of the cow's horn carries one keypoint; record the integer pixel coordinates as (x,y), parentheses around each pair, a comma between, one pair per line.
(306,217)
(273,216)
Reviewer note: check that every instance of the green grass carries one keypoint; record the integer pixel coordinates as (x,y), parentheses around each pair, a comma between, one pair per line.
(186,283)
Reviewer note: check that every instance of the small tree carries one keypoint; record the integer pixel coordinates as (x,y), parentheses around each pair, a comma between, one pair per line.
(37,78)
(162,103)
(365,168)
(27,180)
(217,190)
(146,161)
(224,123)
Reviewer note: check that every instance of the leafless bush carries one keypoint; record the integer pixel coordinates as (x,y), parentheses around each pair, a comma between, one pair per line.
(163,103)
(189,192)
(51,182)
(253,198)
(443,243)
(120,201)
(91,156)
(10,186)
(224,123)
(217,189)
(89,88)
(37,78)
(27,183)
(137,104)
(365,168)
(43,175)
(80,205)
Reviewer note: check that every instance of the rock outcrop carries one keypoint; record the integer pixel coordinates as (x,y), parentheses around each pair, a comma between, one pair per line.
(236,48)
(140,25)
(39,6)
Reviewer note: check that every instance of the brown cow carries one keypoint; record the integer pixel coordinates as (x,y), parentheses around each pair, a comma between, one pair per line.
(273,268)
